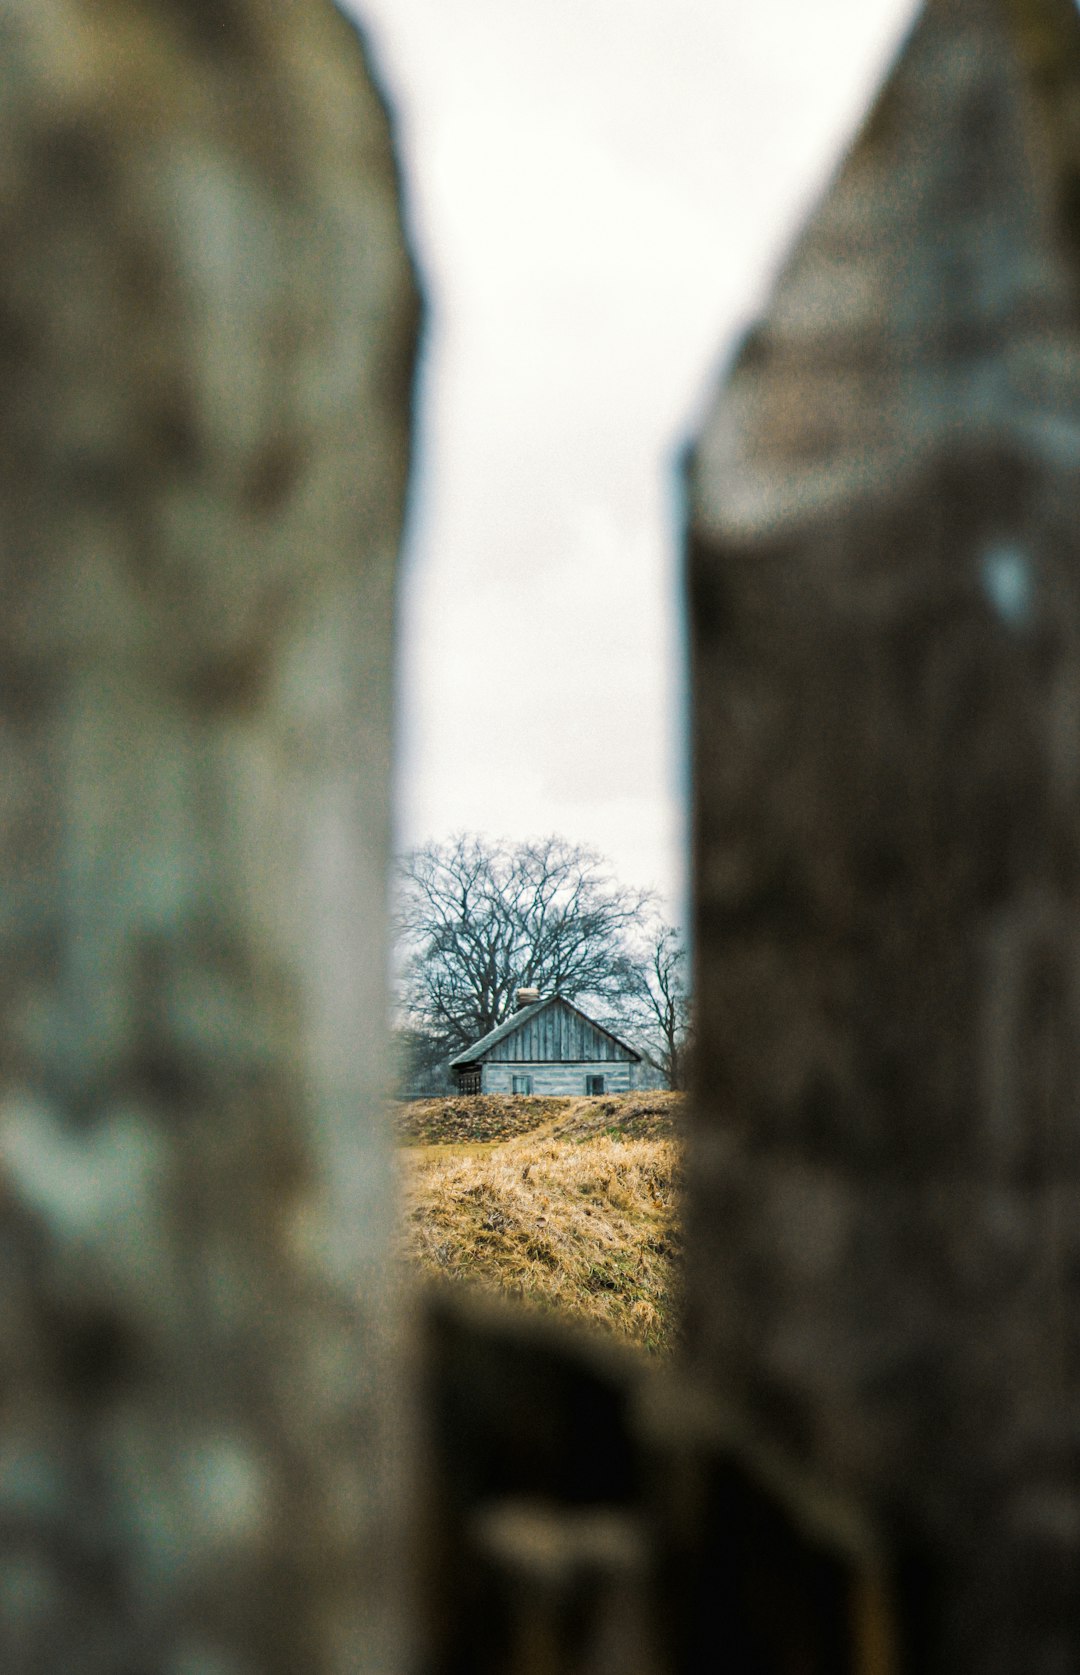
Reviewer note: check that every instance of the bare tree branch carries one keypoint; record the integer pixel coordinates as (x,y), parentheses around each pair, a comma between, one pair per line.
(660,1003)
(478,920)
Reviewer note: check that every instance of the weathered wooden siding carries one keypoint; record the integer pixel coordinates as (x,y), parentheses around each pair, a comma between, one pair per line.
(559,1079)
(557,1033)
(647,1076)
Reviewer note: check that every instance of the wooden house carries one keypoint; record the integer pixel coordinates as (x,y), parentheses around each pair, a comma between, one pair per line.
(549,1047)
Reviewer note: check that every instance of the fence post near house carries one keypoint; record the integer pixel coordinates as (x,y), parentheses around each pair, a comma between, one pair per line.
(207,322)
(884,576)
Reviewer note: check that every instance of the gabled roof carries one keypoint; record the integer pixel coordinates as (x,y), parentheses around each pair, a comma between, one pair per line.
(479,1049)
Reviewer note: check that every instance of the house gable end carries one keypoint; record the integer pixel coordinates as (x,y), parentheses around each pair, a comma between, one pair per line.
(570,1037)
(556,1032)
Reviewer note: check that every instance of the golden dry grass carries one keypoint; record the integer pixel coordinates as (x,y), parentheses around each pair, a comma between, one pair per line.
(587,1227)
(480,1116)
(488,1117)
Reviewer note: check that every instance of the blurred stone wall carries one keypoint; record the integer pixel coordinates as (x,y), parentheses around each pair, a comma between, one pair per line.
(885,600)
(207,326)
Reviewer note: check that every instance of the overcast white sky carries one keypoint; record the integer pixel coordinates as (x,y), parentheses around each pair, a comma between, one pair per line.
(598,193)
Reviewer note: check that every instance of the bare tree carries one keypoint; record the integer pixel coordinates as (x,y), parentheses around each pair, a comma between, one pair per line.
(479,919)
(660,1012)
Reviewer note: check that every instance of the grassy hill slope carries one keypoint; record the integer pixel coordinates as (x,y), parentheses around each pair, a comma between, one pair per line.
(572,1207)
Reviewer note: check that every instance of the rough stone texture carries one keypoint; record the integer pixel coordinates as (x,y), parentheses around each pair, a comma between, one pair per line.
(207,320)
(885,582)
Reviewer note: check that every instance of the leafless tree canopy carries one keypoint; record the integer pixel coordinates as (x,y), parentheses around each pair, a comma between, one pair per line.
(660,1007)
(480,919)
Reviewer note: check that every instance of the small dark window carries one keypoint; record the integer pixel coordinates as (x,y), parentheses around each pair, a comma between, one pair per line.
(594,1084)
(523,1084)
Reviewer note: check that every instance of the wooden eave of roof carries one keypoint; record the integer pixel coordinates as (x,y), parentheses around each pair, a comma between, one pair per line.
(479,1049)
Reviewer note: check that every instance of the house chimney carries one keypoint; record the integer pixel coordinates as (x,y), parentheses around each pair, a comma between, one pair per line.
(525,997)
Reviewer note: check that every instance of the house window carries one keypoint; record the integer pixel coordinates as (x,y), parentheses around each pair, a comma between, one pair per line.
(523,1084)
(594,1084)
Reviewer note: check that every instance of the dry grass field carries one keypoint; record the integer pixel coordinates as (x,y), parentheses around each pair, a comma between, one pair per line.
(571,1206)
